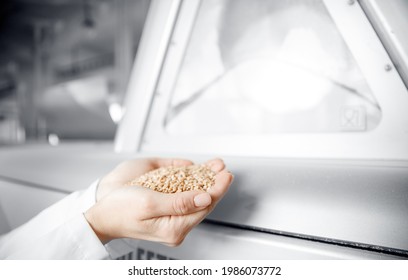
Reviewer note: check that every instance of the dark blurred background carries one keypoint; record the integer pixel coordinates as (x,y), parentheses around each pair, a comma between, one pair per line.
(64,66)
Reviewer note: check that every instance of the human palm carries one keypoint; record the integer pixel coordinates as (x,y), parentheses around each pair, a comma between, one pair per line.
(141,213)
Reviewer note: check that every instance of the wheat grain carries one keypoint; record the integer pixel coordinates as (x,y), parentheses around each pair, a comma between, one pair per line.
(174,179)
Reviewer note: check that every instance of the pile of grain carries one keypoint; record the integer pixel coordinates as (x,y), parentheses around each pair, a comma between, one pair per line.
(177,179)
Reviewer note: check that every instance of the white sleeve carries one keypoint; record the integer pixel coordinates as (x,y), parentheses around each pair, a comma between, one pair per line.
(59,232)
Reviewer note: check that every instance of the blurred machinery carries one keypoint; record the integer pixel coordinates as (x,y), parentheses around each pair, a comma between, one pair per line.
(50,46)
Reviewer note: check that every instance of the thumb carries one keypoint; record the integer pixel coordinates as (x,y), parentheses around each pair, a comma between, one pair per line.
(182,203)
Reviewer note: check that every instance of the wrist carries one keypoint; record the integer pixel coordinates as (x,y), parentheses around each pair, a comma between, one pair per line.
(92,217)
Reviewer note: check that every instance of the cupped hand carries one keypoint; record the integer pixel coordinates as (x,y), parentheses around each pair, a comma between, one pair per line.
(141,213)
(131,169)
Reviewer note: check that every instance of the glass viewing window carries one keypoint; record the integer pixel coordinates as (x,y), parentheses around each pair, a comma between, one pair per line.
(268,67)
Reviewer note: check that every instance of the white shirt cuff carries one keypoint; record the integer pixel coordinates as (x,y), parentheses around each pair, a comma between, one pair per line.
(84,238)
(86,199)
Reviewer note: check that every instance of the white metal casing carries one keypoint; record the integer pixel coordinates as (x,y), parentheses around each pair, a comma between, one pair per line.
(387,141)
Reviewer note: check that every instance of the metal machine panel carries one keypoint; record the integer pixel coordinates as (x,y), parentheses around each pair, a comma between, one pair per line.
(359,204)
(14,196)
(355,194)
(4,226)
(351,202)
(65,168)
(387,141)
(209,241)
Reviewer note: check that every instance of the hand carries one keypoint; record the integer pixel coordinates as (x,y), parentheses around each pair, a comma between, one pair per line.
(140,213)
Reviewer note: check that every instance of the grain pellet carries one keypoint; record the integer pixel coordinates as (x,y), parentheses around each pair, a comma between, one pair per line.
(174,179)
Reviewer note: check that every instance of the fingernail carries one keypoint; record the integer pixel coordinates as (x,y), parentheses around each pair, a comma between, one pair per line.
(216,166)
(202,200)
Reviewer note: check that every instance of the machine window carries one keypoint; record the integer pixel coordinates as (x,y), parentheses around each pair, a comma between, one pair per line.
(268,67)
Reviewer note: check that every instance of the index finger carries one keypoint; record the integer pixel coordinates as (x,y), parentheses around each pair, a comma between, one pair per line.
(223,181)
(216,164)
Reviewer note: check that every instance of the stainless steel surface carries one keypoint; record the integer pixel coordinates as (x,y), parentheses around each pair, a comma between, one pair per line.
(20,203)
(66,168)
(364,202)
(217,242)
(390,20)
(4,225)
(347,201)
